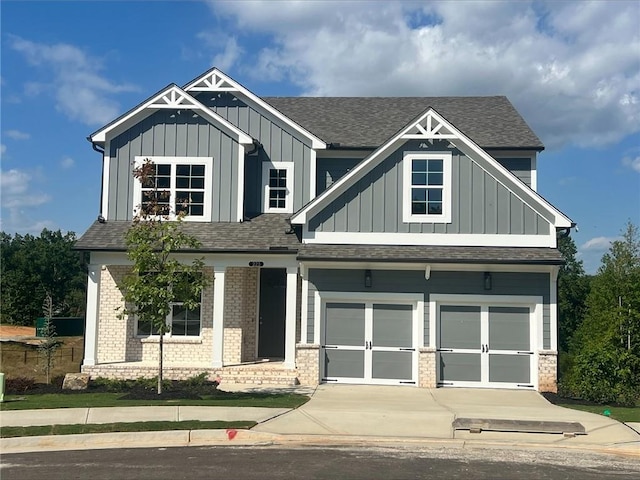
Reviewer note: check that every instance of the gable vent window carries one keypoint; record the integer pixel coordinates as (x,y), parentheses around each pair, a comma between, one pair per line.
(427,191)
(180,184)
(277,179)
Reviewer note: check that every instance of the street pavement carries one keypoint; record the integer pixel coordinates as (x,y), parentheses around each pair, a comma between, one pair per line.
(347,415)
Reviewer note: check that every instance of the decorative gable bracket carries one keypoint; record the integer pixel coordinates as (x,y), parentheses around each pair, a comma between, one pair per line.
(429,128)
(213,82)
(174,99)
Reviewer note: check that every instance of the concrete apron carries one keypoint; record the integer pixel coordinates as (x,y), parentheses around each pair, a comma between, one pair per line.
(368,410)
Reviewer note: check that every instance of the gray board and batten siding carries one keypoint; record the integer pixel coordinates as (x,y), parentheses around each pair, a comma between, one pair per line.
(173,133)
(413,281)
(277,145)
(520,167)
(480,204)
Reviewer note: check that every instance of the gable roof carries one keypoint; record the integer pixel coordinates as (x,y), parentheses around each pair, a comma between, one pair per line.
(170,97)
(215,80)
(430,125)
(491,122)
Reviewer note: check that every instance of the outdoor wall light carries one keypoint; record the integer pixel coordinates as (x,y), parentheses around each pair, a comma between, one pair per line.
(367,278)
(487,280)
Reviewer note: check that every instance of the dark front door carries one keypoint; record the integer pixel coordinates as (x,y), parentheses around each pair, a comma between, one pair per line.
(273,289)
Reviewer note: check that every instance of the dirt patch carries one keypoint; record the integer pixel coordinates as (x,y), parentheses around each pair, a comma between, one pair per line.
(9,331)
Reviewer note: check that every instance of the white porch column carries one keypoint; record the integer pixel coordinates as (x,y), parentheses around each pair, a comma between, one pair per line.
(218,315)
(290,318)
(91,328)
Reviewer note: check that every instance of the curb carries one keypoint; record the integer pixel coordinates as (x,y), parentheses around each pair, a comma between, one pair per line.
(245,438)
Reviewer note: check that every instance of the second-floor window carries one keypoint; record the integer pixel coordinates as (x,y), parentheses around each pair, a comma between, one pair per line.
(176,185)
(427,190)
(277,180)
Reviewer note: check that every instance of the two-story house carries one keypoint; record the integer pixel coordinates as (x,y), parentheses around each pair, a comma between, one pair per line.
(369,240)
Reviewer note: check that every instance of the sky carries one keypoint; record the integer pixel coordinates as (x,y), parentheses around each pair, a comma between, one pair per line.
(572,69)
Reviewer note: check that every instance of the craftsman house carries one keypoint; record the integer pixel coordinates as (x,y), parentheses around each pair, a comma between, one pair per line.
(376,240)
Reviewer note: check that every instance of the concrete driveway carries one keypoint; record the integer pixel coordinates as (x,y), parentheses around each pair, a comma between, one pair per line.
(386,411)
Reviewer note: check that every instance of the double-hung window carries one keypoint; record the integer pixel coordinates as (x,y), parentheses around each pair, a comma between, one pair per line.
(181,321)
(176,185)
(277,181)
(427,187)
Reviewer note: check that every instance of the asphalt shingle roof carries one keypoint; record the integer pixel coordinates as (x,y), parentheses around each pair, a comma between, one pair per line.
(268,234)
(370,121)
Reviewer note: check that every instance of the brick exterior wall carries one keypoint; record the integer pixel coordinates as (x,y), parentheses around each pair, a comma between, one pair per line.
(427,375)
(308,364)
(112,330)
(548,371)
(240,313)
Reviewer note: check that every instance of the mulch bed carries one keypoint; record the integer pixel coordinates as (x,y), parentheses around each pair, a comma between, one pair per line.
(557,399)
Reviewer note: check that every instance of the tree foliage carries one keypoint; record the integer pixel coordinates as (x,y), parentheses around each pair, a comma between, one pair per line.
(606,346)
(33,269)
(159,275)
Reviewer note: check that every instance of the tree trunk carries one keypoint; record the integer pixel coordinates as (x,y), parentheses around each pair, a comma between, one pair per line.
(160,346)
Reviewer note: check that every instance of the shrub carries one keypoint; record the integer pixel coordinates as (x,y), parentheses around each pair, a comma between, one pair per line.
(19,385)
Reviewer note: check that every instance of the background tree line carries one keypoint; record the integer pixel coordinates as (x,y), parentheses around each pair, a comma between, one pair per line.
(599,323)
(38,274)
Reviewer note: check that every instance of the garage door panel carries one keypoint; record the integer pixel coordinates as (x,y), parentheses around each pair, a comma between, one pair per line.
(509,328)
(345,324)
(392,365)
(510,368)
(460,367)
(460,327)
(392,325)
(344,363)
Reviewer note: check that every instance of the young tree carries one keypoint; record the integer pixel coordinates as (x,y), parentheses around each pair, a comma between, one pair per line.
(49,345)
(607,344)
(158,277)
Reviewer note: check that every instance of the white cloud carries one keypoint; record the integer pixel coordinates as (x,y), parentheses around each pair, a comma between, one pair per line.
(17,135)
(80,91)
(226,48)
(571,68)
(632,162)
(67,162)
(598,244)
(18,197)
(3,149)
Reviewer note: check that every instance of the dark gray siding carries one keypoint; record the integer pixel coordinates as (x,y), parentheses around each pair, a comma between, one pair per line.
(330,170)
(480,205)
(172,133)
(278,144)
(462,283)
(520,167)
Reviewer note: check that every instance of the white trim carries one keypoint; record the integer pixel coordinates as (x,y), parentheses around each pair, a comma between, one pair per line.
(289,167)
(214,80)
(440,267)
(553,310)
(106,168)
(451,239)
(290,318)
(218,316)
(465,144)
(174,161)
(240,201)
(317,315)
(172,97)
(534,173)
(304,307)
(313,174)
(92,313)
(407,171)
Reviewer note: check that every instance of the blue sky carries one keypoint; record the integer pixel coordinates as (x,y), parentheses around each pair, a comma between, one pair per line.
(571,68)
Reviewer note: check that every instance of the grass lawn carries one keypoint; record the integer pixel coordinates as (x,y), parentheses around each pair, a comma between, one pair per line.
(7,432)
(90,400)
(622,414)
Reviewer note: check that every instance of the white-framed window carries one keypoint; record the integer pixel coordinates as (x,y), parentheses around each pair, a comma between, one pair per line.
(179,184)
(427,187)
(277,181)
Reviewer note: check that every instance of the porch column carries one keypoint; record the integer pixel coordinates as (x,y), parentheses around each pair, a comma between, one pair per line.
(91,328)
(290,318)
(218,315)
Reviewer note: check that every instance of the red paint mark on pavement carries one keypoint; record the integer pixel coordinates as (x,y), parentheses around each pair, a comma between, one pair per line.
(231,433)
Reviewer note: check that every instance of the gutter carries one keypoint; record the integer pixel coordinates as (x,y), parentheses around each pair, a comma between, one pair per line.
(101,152)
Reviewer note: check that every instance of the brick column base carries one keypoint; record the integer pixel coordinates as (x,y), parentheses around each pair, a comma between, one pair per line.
(548,371)
(427,367)
(308,364)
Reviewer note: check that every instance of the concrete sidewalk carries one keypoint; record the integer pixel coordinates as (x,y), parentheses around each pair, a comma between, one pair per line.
(339,414)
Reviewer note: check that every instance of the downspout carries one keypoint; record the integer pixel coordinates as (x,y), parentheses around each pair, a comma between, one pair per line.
(100,151)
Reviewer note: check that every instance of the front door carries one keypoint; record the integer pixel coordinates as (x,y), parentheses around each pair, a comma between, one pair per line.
(485,345)
(367,342)
(271,325)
